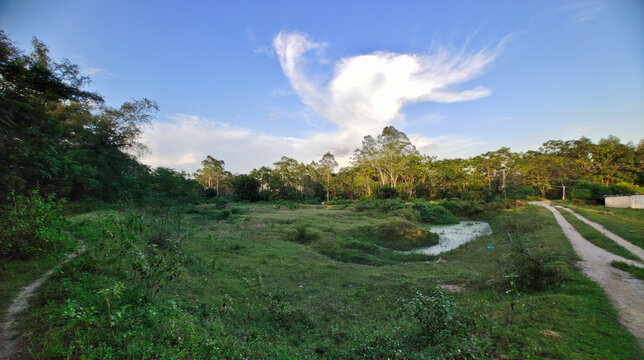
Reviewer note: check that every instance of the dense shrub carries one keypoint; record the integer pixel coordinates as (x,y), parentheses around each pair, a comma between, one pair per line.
(385,192)
(379,205)
(210,193)
(301,234)
(31,225)
(587,192)
(339,202)
(399,234)
(517,192)
(246,188)
(444,329)
(434,214)
(461,207)
(530,266)
(223,215)
(625,189)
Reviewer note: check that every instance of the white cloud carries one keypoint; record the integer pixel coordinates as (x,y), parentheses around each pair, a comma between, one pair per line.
(362,95)
(368,91)
(96,70)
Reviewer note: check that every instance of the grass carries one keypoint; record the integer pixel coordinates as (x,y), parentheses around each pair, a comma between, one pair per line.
(627,223)
(636,271)
(254,286)
(596,237)
(18,273)
(15,274)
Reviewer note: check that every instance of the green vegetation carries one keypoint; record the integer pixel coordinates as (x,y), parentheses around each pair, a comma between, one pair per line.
(216,265)
(596,237)
(247,289)
(636,271)
(627,223)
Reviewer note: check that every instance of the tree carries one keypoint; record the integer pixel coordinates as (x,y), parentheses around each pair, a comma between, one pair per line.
(327,165)
(211,173)
(246,187)
(389,155)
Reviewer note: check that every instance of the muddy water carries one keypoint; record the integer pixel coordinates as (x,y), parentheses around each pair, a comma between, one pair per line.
(452,236)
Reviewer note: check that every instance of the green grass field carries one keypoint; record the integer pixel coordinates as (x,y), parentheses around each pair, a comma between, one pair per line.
(319,282)
(627,223)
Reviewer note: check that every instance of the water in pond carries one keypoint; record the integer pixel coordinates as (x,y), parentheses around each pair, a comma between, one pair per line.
(452,236)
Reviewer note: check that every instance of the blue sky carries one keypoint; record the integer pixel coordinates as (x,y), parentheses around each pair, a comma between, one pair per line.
(248,82)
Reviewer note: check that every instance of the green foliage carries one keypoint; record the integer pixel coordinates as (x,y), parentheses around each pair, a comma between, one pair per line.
(397,234)
(460,207)
(223,215)
(246,188)
(434,214)
(32,225)
(209,193)
(385,192)
(438,317)
(623,188)
(586,192)
(301,234)
(383,206)
(531,268)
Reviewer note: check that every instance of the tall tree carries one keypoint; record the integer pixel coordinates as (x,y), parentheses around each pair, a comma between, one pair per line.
(211,174)
(327,165)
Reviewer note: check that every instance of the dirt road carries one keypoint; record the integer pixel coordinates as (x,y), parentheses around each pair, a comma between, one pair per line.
(8,329)
(625,292)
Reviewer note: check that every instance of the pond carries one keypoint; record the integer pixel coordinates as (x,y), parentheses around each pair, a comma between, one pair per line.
(452,236)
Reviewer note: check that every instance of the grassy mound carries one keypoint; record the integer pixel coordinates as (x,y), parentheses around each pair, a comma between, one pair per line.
(397,234)
(434,214)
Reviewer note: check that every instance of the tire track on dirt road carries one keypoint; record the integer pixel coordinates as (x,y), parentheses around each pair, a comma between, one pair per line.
(625,292)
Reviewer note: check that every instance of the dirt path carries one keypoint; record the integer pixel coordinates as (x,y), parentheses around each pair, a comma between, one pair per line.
(8,329)
(625,292)
(636,250)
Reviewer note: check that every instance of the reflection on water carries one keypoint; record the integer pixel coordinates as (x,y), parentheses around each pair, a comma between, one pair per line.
(452,236)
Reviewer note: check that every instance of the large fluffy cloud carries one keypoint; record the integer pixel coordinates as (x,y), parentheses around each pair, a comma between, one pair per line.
(364,94)
(367,92)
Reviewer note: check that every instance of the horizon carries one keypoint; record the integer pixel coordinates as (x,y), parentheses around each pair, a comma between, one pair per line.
(319,77)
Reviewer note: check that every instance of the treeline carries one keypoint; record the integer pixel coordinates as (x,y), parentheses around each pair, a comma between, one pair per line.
(390,166)
(56,138)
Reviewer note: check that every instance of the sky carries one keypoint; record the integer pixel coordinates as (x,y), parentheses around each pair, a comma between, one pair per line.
(248,82)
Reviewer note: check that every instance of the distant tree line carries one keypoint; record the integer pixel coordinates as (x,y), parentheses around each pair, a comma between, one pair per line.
(390,166)
(57,138)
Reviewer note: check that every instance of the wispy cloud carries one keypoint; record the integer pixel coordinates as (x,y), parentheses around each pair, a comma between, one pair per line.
(581,12)
(363,94)
(96,70)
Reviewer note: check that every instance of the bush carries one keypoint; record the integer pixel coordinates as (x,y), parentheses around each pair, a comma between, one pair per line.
(340,202)
(399,234)
(32,225)
(438,317)
(220,202)
(625,189)
(530,267)
(461,207)
(246,188)
(385,192)
(223,215)
(301,234)
(587,192)
(434,214)
(210,193)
